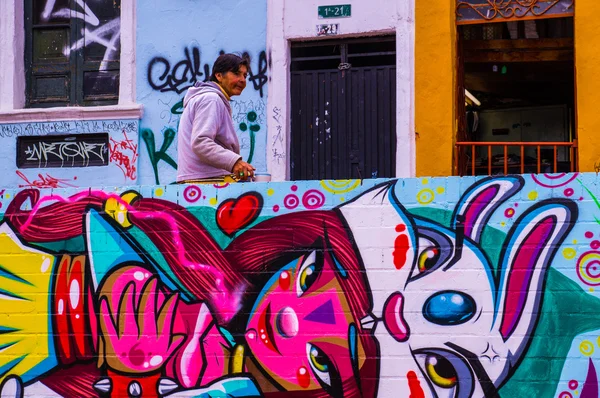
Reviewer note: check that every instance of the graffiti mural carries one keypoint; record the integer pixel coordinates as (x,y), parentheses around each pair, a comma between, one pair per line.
(186,72)
(375,288)
(248,118)
(48,162)
(156,156)
(248,115)
(124,153)
(101,35)
(169,61)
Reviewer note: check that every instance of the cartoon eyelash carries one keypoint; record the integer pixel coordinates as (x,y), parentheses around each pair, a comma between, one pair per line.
(449,374)
(324,370)
(308,272)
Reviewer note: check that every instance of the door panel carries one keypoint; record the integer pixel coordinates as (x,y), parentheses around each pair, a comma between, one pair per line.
(343,123)
(343,120)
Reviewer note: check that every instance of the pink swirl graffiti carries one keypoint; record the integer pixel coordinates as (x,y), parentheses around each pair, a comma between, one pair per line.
(553,180)
(313,199)
(291,201)
(192,193)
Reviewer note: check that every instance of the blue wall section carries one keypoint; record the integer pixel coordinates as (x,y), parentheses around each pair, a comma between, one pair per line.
(177,43)
(122,154)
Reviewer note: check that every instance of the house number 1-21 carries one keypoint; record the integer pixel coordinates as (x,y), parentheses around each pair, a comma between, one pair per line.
(339,11)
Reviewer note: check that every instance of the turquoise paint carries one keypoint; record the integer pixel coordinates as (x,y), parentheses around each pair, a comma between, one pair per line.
(108,249)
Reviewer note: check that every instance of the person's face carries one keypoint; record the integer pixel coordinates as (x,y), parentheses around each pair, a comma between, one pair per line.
(233,83)
(299,329)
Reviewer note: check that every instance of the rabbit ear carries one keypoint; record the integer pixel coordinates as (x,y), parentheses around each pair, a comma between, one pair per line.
(528,251)
(478,204)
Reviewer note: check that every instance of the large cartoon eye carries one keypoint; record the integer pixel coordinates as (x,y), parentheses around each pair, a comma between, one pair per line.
(435,249)
(450,375)
(324,370)
(308,273)
(440,371)
(428,258)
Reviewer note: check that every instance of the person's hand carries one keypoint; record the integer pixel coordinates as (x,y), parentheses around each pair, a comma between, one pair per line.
(243,170)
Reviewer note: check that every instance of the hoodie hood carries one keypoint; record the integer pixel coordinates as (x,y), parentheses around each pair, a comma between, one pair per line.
(203,88)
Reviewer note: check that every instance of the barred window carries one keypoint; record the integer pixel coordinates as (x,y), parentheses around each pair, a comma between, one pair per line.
(72,51)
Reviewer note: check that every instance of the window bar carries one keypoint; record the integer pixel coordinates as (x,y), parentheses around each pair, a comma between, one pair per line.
(555,165)
(457,155)
(473,159)
(489,160)
(505,160)
(572,156)
(539,161)
(522,159)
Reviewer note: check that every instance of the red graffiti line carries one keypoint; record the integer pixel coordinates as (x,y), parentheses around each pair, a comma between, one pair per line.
(46,181)
(124,153)
(414,385)
(400,247)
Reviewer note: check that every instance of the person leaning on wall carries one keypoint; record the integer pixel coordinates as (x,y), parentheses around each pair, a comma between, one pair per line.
(208,147)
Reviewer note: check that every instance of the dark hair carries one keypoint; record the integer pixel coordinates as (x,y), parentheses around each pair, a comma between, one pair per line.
(228,63)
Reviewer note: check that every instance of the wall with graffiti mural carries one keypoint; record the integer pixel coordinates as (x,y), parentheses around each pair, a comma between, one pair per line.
(54,160)
(437,287)
(178,52)
(46,148)
(176,43)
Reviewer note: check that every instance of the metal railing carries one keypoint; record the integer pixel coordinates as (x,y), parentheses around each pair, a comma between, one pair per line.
(466,161)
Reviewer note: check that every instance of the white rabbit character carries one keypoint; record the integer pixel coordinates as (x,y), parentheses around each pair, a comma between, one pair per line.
(447,325)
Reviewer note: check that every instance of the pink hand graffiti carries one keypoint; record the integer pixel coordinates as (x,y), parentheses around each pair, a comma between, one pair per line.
(141,339)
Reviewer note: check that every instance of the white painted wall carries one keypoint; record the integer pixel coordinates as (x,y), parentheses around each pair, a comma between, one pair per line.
(289,20)
(12,63)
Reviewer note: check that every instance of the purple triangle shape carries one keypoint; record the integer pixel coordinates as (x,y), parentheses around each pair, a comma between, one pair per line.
(590,387)
(322,314)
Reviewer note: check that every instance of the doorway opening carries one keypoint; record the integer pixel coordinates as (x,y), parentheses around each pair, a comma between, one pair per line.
(516,97)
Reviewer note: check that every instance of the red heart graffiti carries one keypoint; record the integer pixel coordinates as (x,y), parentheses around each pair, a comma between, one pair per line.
(235,214)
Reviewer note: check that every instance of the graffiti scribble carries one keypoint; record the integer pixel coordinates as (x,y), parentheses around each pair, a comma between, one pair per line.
(124,154)
(185,73)
(106,35)
(44,181)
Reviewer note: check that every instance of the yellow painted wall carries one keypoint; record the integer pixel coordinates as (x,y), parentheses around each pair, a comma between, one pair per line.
(435,60)
(587,62)
(435,73)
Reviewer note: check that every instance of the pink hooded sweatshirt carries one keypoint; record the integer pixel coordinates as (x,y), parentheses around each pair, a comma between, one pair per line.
(207,145)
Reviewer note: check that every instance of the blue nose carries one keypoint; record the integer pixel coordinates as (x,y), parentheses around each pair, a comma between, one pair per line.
(449,308)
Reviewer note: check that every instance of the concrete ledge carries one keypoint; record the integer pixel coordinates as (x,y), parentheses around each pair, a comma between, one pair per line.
(134,111)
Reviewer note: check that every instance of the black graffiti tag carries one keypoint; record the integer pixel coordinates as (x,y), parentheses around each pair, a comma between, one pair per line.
(184,74)
(187,72)
(259,79)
